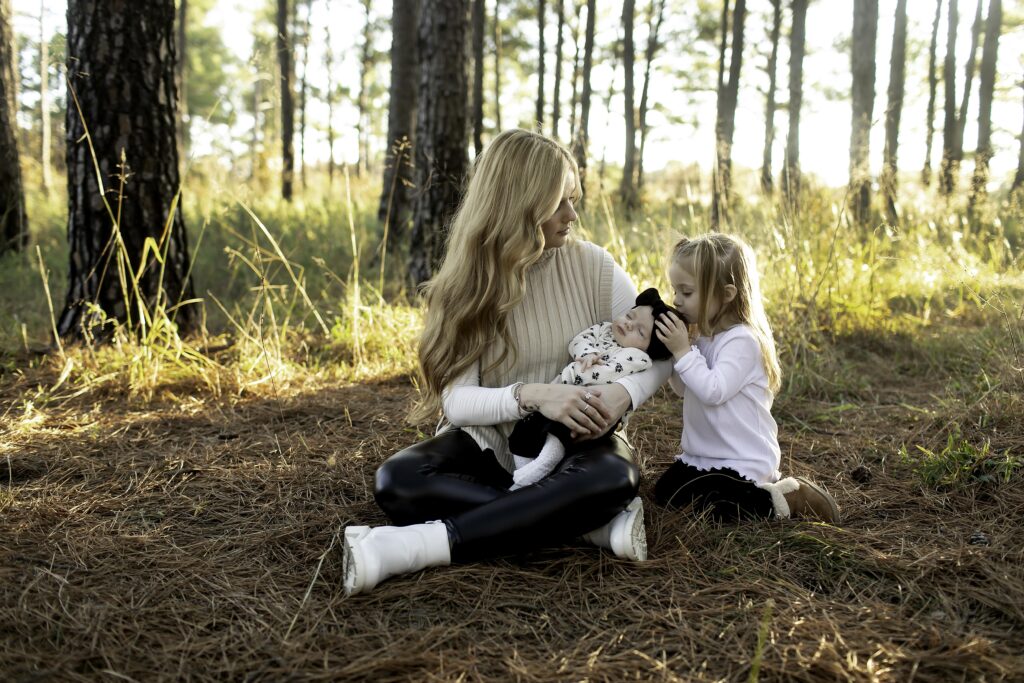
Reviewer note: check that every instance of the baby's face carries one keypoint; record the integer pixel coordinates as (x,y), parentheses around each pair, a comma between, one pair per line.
(635,328)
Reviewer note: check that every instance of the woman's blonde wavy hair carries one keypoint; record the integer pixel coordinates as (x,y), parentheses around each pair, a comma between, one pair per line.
(717,260)
(516,184)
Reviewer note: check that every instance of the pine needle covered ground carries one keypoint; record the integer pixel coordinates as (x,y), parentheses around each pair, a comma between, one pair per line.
(172,510)
(189,536)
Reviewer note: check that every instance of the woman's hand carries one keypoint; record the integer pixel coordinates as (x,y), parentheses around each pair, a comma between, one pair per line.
(673,334)
(618,401)
(582,409)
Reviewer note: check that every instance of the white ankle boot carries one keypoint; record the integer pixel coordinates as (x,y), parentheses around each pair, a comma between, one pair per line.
(372,555)
(624,535)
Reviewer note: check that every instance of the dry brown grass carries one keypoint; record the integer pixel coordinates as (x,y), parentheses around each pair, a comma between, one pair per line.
(181,537)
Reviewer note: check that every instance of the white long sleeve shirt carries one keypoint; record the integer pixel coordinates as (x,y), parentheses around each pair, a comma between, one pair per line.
(727,419)
(466,403)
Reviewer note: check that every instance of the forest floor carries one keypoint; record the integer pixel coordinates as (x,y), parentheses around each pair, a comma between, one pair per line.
(186,536)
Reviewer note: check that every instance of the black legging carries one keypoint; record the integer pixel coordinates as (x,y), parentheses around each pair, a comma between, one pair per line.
(722,491)
(450,478)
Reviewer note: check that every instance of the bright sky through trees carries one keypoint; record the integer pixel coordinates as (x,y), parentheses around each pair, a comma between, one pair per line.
(825,120)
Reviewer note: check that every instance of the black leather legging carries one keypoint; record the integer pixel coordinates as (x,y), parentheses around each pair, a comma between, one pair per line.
(450,478)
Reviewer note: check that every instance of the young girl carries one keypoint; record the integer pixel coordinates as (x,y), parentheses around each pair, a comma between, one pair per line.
(728,376)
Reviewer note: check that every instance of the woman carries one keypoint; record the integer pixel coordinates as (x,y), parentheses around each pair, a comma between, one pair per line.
(511,293)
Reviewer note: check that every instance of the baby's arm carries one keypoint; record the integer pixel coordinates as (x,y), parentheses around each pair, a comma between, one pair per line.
(585,343)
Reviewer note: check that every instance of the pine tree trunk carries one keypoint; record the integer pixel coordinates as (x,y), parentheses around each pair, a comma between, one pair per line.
(933,84)
(478,77)
(441,132)
(581,141)
(656,16)
(45,142)
(13,221)
(769,107)
(969,68)
(254,139)
(181,73)
(986,91)
(396,194)
(725,121)
(574,98)
(121,59)
(497,67)
(791,181)
(893,112)
(540,64)
(329,96)
(949,166)
(556,100)
(627,187)
(284,57)
(363,101)
(303,92)
(862,65)
(1018,177)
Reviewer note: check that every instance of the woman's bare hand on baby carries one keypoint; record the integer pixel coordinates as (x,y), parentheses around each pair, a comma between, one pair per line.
(581,409)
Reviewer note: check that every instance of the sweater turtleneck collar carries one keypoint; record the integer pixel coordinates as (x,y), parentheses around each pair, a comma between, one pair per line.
(545,257)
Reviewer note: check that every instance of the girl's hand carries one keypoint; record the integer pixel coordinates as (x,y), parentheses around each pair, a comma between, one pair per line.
(588,361)
(581,409)
(672,333)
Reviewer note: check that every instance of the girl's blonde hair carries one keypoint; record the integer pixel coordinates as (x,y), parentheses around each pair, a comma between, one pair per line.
(717,260)
(516,184)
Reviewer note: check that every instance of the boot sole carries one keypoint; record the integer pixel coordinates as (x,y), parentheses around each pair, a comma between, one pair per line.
(353,563)
(631,538)
(832,506)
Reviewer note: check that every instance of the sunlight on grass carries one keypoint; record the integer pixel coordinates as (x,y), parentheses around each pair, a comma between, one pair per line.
(293,289)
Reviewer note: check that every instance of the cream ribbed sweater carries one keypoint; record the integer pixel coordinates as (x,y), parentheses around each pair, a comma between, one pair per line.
(568,290)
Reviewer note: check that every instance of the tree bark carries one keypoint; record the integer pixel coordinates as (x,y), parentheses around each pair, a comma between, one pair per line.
(657,15)
(894,111)
(329,96)
(13,220)
(725,121)
(933,84)
(285,62)
(540,65)
(581,141)
(791,181)
(441,160)
(862,65)
(969,68)
(181,75)
(557,98)
(478,77)
(396,194)
(574,98)
(363,102)
(949,165)
(767,181)
(627,187)
(1018,177)
(121,59)
(303,91)
(986,91)
(497,66)
(45,142)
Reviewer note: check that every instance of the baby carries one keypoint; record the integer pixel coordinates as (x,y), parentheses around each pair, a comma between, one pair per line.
(603,353)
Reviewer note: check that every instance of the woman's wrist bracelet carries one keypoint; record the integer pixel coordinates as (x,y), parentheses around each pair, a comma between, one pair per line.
(517,390)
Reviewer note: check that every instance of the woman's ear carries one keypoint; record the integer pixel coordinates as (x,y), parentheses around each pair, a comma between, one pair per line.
(730,293)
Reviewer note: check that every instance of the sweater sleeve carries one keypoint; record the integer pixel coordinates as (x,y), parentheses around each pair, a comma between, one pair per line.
(735,360)
(466,403)
(642,385)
